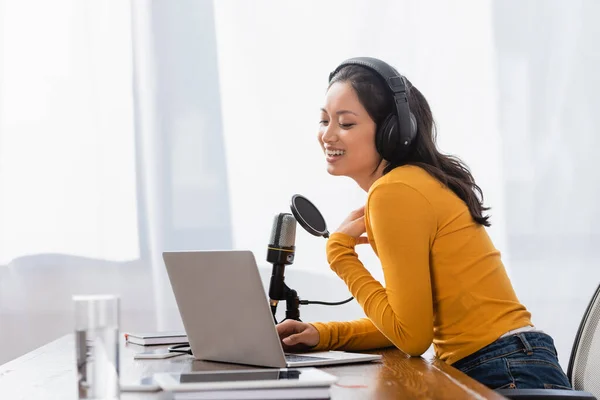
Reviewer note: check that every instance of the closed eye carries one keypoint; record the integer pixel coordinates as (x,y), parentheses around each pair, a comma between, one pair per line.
(323,122)
(347,126)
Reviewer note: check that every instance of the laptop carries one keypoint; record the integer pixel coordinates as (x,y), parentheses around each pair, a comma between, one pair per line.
(226,314)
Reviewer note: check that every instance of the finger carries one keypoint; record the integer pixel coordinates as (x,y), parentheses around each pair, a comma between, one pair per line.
(358,212)
(358,226)
(288,327)
(298,348)
(362,240)
(285,328)
(293,339)
(359,220)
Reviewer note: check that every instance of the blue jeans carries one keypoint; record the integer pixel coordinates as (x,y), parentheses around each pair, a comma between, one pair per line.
(524,360)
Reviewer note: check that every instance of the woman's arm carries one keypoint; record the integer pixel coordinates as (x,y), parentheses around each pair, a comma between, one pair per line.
(355,335)
(403,226)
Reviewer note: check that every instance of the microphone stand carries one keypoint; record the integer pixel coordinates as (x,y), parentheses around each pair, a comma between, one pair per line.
(292,302)
(276,256)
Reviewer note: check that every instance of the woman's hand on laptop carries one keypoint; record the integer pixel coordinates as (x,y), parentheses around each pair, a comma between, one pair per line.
(297,336)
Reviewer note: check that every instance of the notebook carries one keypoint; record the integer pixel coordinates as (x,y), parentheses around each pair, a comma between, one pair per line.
(156,338)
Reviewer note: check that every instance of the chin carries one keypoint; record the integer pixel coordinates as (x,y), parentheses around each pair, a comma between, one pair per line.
(332,170)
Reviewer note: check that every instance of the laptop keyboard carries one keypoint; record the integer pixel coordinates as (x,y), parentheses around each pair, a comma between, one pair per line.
(296,358)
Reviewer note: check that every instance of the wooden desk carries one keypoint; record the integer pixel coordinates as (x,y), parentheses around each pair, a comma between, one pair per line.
(49,373)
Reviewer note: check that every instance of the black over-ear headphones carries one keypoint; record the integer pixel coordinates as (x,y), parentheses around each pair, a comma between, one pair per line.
(395,134)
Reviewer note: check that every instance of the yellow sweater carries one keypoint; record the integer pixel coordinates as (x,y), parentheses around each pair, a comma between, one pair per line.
(444,280)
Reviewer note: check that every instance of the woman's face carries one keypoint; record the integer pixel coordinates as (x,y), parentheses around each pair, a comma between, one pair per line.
(347,135)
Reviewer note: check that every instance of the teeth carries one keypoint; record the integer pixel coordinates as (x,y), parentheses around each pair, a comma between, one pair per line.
(335,152)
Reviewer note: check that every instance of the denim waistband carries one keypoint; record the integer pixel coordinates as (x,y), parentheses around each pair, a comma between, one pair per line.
(524,342)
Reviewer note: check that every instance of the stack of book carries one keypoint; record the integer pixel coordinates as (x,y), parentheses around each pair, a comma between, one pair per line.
(156,338)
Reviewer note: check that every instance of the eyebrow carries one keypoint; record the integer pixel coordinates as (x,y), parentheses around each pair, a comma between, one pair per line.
(340,112)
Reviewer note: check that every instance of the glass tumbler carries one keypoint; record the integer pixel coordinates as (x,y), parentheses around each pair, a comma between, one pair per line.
(97,346)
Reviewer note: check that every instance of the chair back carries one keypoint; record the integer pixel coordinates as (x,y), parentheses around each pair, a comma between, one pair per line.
(584,365)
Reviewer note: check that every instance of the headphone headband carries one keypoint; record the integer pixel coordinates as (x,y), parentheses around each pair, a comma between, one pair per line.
(392,78)
(397,85)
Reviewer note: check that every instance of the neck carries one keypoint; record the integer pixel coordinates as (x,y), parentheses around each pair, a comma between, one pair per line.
(365,182)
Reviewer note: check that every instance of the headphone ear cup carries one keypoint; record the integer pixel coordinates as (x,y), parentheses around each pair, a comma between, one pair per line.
(413,127)
(386,137)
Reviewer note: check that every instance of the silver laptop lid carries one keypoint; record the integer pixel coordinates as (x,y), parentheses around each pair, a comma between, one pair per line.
(224,307)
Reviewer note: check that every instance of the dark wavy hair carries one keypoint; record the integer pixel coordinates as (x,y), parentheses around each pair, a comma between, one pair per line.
(377,99)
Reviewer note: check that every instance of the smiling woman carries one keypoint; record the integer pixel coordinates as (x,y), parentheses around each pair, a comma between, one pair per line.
(445,282)
(271,101)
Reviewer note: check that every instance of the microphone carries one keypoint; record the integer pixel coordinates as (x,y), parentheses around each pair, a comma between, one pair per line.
(280,252)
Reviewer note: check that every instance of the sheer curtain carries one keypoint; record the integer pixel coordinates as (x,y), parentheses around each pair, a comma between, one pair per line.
(180,155)
(110,141)
(548,81)
(110,135)
(67,166)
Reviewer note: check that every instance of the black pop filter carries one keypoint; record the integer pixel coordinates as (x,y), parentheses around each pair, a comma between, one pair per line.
(308,216)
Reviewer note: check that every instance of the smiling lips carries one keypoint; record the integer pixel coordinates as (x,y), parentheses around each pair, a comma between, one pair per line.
(333,155)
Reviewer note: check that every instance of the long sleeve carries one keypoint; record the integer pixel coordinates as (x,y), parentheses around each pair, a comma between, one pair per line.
(436,261)
(402,225)
(355,335)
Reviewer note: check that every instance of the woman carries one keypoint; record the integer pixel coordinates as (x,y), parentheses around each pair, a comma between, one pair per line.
(445,281)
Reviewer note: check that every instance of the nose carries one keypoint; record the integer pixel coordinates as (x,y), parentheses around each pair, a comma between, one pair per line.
(329,134)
